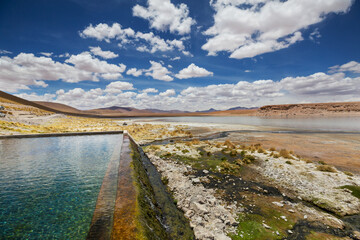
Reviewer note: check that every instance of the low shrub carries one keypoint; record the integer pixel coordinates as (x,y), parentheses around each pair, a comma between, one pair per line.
(165,180)
(285,154)
(185,151)
(260,150)
(233,153)
(228,167)
(326,168)
(349,174)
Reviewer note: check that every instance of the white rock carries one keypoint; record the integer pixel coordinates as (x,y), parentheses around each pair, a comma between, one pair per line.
(278,204)
(266,226)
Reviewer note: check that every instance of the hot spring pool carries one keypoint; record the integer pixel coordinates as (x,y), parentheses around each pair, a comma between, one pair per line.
(49,186)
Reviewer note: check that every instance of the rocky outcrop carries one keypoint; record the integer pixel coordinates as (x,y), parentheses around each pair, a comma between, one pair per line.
(312,109)
(209,216)
(307,182)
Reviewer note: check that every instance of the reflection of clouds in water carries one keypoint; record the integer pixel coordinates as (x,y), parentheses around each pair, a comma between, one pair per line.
(315,124)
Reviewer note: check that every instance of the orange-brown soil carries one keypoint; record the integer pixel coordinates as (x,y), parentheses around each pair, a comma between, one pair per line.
(340,150)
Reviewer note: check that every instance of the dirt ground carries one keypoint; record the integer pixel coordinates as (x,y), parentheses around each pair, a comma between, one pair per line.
(340,150)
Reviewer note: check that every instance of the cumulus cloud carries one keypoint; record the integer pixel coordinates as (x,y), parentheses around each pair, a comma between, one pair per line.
(175,58)
(26,70)
(163,15)
(150,90)
(193,71)
(322,84)
(167,93)
(84,61)
(159,72)
(134,72)
(143,42)
(317,87)
(35,97)
(104,54)
(247,28)
(347,67)
(105,32)
(47,54)
(64,55)
(118,87)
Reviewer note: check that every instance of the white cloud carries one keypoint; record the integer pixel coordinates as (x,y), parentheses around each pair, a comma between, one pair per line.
(163,15)
(5,52)
(247,71)
(118,87)
(84,61)
(315,35)
(47,54)
(193,71)
(157,43)
(322,84)
(175,58)
(111,76)
(26,70)
(64,55)
(318,87)
(104,54)
(150,90)
(159,72)
(347,67)
(134,72)
(187,53)
(105,32)
(34,97)
(167,93)
(143,42)
(247,28)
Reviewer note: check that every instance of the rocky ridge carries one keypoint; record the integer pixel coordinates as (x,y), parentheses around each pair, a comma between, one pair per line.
(210,217)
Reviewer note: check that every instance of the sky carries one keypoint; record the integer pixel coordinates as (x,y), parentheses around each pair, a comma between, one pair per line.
(180,54)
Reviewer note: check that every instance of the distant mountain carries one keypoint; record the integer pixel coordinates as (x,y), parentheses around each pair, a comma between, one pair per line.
(242,108)
(154,110)
(208,111)
(234,108)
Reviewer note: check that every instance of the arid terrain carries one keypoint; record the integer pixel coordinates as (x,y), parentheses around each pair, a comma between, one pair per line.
(311,110)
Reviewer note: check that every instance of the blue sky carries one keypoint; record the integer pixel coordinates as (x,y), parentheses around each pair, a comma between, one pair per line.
(187,55)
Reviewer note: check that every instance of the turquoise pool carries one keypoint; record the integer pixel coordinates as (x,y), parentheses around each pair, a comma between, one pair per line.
(49,186)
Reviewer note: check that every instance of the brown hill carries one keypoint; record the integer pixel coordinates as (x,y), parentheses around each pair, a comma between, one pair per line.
(117,111)
(59,107)
(311,109)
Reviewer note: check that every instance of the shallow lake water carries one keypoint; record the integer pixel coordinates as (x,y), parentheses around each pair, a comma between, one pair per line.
(346,124)
(49,186)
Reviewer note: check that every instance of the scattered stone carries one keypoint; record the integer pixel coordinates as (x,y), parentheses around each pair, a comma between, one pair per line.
(196,180)
(205,171)
(289,231)
(278,204)
(284,218)
(291,210)
(266,226)
(210,217)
